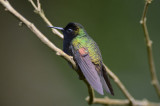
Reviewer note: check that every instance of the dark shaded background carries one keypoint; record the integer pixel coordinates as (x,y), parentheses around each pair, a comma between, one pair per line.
(32,75)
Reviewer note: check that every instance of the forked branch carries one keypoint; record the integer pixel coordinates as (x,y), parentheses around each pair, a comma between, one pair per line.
(40,12)
(155,81)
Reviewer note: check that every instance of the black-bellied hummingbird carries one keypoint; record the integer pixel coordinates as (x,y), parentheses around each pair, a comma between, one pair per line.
(85,52)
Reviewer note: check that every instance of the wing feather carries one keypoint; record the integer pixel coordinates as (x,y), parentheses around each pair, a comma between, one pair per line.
(88,70)
(105,81)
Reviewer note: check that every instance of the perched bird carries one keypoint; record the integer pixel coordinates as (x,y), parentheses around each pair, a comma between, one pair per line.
(85,52)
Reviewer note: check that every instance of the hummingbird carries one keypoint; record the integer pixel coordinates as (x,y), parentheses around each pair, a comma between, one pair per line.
(86,54)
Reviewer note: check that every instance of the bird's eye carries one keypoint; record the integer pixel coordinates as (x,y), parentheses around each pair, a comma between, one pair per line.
(70,30)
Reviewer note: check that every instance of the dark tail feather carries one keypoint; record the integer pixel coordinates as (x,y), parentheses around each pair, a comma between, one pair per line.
(106,78)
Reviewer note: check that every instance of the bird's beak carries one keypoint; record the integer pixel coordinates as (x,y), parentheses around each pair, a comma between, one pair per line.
(59,28)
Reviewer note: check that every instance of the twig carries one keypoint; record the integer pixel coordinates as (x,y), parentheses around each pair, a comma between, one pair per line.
(91,93)
(155,81)
(120,102)
(40,12)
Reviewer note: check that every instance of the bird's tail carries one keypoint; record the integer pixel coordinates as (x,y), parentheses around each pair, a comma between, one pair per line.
(105,81)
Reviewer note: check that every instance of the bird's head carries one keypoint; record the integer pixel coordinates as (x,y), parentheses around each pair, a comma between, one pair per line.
(72,30)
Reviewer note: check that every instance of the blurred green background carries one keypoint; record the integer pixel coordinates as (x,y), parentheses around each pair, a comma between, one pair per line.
(32,75)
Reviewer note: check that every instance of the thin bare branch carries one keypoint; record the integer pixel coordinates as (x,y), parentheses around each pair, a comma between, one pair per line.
(120,102)
(155,81)
(40,12)
(91,93)
(35,7)
(38,5)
